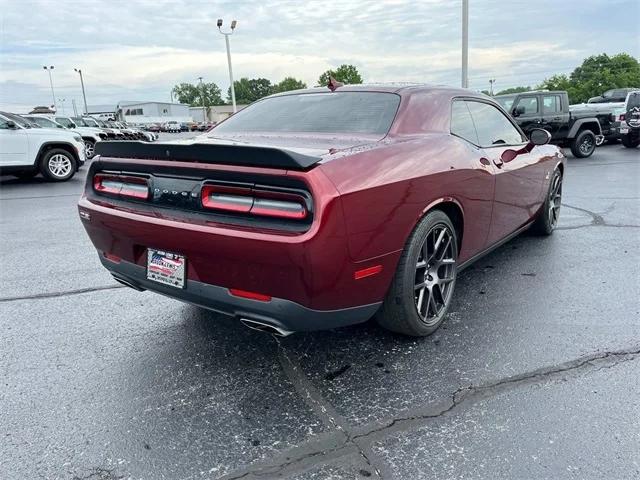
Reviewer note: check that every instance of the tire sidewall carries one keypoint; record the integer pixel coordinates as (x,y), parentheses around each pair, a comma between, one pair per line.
(44,165)
(431,220)
(575,147)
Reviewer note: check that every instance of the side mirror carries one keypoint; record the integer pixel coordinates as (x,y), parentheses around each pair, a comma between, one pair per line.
(539,136)
(11,124)
(519,110)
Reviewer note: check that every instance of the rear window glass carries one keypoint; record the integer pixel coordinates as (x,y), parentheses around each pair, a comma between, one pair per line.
(337,112)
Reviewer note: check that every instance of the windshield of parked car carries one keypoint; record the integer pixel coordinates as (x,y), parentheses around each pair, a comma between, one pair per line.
(44,122)
(327,112)
(65,122)
(79,122)
(18,120)
(505,101)
(90,122)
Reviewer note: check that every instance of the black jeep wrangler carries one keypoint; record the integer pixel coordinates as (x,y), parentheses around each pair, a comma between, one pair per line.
(580,129)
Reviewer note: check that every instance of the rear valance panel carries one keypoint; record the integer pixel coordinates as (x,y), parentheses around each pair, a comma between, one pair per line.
(252,156)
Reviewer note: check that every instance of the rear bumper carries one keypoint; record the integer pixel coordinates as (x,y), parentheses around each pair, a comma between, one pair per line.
(281,313)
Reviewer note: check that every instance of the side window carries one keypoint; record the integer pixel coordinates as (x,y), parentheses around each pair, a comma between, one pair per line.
(461,122)
(530,105)
(493,127)
(551,104)
(3,124)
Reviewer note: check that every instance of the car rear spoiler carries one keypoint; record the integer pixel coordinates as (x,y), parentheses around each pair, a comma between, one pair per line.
(247,155)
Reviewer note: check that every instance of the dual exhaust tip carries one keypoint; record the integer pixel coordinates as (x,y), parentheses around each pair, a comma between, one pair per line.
(265,327)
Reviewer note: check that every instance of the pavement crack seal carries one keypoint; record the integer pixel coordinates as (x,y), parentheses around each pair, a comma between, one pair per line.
(39,296)
(597,220)
(336,443)
(342,442)
(471,394)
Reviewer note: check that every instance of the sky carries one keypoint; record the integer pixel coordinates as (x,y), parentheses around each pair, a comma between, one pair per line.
(131,50)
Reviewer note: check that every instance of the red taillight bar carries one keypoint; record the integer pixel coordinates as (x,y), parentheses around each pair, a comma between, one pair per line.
(266,203)
(250,295)
(122,185)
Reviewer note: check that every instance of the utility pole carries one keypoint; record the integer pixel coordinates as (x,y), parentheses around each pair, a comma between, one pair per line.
(84,96)
(62,100)
(226,37)
(204,120)
(491,82)
(465,43)
(53,95)
(75,110)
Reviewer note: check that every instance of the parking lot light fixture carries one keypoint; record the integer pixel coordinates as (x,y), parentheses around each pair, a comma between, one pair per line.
(84,96)
(53,95)
(226,37)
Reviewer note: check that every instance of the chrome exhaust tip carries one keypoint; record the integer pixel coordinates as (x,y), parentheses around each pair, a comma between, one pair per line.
(265,327)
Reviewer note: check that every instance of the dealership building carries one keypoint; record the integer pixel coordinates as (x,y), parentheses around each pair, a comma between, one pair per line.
(161,112)
(143,112)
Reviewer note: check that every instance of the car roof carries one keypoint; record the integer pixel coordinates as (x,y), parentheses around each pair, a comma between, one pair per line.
(399,88)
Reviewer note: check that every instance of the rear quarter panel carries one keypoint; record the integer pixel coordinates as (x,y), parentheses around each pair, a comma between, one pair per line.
(386,191)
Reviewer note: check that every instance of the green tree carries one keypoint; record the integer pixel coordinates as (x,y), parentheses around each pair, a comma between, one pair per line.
(192,94)
(249,90)
(507,91)
(597,74)
(347,74)
(289,83)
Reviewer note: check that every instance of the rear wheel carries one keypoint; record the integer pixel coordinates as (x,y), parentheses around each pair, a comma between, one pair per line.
(631,141)
(58,165)
(89,149)
(547,220)
(422,288)
(584,144)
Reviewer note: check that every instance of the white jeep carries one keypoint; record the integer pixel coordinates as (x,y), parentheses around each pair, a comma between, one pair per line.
(90,135)
(27,149)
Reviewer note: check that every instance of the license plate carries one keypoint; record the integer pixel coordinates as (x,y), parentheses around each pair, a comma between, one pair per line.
(167,268)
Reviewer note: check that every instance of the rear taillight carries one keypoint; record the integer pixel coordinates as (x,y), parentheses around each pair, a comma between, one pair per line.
(121,185)
(255,201)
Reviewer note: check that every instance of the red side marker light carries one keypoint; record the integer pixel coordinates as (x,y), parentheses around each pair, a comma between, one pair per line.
(250,295)
(367,272)
(112,258)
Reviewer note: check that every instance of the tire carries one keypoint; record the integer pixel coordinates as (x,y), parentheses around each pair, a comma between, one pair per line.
(584,144)
(89,149)
(420,265)
(549,214)
(630,141)
(58,165)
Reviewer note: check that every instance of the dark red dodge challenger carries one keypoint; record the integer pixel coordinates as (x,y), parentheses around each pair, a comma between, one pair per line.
(315,209)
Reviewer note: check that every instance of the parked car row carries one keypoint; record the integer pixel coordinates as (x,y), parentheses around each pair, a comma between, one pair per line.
(174,126)
(27,149)
(47,143)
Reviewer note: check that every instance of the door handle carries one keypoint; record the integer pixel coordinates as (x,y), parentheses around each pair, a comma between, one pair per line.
(498,163)
(555,119)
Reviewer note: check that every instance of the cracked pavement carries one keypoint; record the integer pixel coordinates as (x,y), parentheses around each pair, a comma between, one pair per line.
(535,374)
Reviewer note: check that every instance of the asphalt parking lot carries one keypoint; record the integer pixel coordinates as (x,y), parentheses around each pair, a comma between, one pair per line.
(535,374)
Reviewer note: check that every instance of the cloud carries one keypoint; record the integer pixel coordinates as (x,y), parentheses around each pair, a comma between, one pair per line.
(137,50)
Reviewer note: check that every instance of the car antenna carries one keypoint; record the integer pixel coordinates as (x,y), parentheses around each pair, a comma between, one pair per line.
(333,84)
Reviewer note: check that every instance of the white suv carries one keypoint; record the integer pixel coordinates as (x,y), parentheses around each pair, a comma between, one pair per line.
(26,150)
(90,135)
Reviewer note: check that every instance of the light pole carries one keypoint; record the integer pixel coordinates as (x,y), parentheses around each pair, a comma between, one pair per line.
(465,43)
(53,95)
(62,100)
(84,96)
(226,37)
(491,82)
(204,120)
